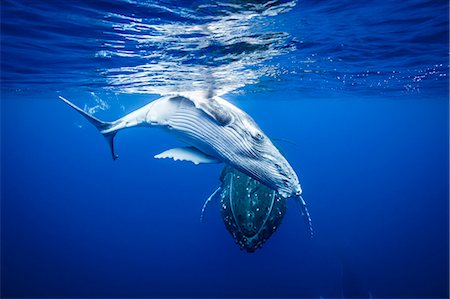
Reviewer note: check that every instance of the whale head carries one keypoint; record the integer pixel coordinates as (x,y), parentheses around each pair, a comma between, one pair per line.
(259,158)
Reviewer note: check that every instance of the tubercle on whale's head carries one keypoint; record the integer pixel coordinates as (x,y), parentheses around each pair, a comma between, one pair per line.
(290,191)
(298,190)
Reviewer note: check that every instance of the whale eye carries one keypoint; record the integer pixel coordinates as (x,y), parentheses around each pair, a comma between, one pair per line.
(258,136)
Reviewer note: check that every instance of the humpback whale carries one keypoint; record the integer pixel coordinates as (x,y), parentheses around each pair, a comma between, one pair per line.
(215,131)
(251,211)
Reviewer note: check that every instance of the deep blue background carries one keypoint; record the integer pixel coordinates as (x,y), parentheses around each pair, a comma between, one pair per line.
(75,223)
(370,149)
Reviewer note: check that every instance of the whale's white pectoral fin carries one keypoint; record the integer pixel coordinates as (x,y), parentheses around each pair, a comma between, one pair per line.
(205,205)
(188,153)
(305,213)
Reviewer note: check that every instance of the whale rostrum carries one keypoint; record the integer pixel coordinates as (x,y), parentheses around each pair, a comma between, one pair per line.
(215,131)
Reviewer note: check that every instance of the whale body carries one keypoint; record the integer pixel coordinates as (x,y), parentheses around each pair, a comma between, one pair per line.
(215,131)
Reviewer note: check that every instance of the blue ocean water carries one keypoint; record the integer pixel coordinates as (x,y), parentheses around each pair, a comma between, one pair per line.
(359,89)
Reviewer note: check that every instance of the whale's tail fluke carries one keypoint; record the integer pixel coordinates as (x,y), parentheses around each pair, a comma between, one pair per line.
(107,129)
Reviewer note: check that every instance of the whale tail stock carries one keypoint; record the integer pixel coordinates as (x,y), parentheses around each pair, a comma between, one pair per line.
(107,129)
